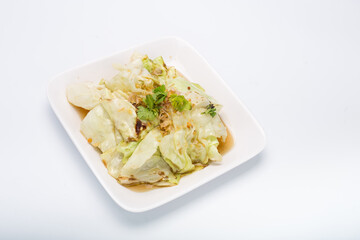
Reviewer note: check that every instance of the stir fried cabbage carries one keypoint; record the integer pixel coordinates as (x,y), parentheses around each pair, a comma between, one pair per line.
(150,123)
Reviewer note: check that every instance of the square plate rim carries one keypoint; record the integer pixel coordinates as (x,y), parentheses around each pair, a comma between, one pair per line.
(190,188)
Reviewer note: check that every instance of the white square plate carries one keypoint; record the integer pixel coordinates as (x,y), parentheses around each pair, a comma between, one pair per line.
(249,138)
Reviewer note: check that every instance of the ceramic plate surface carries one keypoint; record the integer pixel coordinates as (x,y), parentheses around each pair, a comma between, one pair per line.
(249,138)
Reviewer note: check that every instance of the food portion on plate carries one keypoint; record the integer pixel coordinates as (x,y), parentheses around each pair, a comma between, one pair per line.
(150,123)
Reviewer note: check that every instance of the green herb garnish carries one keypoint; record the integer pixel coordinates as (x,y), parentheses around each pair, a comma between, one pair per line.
(144,113)
(149,101)
(179,103)
(152,102)
(159,94)
(211,110)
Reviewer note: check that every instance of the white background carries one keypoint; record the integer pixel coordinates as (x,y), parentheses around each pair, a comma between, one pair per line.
(296,65)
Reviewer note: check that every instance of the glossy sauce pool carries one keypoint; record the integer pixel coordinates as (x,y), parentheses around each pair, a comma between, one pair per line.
(81,112)
(226,146)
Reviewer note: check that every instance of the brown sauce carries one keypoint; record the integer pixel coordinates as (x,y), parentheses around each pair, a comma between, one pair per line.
(81,112)
(142,187)
(226,146)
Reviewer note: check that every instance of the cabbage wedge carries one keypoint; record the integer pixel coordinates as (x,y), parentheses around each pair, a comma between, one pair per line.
(146,164)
